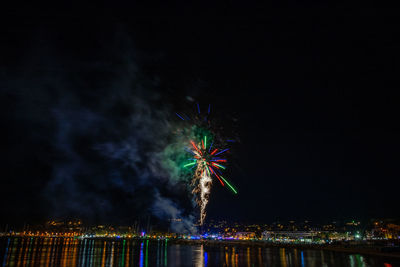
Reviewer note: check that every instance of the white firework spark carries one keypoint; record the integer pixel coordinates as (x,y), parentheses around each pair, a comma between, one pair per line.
(205,162)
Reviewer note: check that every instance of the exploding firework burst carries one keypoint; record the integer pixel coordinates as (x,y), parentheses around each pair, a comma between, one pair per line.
(206,160)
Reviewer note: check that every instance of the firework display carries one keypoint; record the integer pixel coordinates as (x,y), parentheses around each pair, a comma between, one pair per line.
(207,158)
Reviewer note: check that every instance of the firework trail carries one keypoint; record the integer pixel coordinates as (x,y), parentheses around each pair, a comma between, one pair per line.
(206,159)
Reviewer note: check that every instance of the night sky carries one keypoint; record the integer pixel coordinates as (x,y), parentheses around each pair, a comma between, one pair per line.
(88,97)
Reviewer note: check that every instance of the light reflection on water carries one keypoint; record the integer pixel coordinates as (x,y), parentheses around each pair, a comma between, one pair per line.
(123,253)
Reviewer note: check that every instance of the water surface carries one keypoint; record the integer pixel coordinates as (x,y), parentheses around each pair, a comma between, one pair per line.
(75,252)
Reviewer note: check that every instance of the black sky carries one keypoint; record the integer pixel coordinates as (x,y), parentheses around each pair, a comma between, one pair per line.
(314,92)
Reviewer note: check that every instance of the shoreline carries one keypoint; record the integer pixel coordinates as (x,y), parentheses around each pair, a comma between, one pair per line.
(350,249)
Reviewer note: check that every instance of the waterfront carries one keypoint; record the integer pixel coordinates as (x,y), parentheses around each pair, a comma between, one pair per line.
(130,252)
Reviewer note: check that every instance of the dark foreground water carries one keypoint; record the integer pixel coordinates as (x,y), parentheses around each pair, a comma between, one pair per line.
(71,252)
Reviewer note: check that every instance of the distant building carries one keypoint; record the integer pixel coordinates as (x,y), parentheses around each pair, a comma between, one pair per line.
(245,235)
(268,235)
